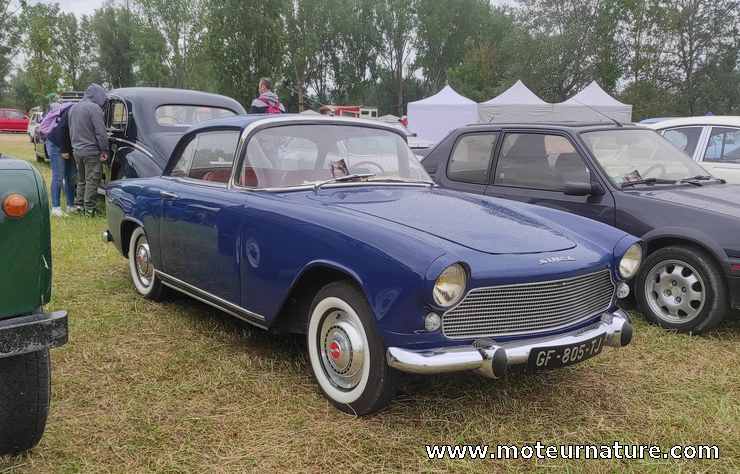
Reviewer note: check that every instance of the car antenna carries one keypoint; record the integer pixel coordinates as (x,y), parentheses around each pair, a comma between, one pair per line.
(611,119)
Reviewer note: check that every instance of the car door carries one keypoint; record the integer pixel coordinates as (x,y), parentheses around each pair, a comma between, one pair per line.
(469,164)
(199,230)
(722,154)
(542,168)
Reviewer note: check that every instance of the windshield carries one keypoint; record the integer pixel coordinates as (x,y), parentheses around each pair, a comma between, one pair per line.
(299,155)
(187,115)
(633,155)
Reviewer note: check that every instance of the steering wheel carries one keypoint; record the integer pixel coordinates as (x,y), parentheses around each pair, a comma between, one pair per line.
(655,166)
(371,163)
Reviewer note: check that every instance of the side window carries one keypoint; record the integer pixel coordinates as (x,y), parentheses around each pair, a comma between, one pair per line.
(539,161)
(182,167)
(724,145)
(471,158)
(213,156)
(684,138)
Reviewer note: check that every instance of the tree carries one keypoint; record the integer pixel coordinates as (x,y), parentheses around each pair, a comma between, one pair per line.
(9,40)
(307,28)
(43,69)
(698,31)
(69,49)
(181,25)
(396,22)
(114,29)
(444,30)
(245,41)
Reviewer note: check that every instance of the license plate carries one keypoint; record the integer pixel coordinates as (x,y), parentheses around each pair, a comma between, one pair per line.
(542,358)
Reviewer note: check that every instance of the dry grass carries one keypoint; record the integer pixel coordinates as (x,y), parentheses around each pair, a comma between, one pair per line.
(179,387)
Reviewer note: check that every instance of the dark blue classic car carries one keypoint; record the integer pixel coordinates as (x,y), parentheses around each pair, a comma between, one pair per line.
(331,228)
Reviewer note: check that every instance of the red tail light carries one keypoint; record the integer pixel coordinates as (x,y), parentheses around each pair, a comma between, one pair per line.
(15,205)
(735,268)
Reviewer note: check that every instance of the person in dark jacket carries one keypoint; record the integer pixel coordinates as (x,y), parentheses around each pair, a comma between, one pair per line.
(63,170)
(267,102)
(89,144)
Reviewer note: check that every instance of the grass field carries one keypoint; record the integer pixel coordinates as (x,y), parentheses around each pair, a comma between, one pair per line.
(180,387)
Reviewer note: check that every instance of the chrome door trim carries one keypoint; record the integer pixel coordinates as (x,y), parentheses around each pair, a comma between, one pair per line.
(211,299)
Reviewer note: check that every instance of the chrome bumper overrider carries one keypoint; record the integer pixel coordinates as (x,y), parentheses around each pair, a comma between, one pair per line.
(493,359)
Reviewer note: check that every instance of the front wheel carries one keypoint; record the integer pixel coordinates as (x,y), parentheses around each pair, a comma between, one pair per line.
(141,267)
(25,390)
(681,288)
(346,352)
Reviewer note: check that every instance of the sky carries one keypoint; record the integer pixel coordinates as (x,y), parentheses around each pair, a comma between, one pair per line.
(79,7)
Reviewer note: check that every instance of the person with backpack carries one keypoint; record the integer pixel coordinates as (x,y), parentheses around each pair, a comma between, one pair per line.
(55,129)
(267,102)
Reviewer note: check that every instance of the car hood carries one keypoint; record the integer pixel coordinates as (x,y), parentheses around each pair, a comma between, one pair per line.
(720,198)
(484,224)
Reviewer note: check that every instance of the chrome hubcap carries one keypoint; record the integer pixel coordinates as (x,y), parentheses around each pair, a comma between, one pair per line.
(675,291)
(342,349)
(142,259)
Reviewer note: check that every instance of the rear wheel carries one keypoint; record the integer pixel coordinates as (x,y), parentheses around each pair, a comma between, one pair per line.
(346,352)
(25,391)
(141,266)
(681,288)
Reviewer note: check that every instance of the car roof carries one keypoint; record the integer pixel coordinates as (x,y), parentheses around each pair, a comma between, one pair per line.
(566,126)
(729,120)
(242,121)
(165,95)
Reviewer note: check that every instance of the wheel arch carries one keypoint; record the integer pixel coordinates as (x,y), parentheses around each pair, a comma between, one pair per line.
(660,239)
(664,237)
(293,314)
(128,225)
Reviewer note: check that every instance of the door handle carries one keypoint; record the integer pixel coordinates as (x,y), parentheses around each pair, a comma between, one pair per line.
(167,195)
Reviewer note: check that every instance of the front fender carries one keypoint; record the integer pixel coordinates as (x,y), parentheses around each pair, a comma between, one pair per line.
(692,235)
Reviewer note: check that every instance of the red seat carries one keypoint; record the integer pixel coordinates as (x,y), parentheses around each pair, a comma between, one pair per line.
(220,175)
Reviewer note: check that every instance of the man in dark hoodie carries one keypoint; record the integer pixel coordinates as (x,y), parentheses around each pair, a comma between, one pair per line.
(89,144)
(267,102)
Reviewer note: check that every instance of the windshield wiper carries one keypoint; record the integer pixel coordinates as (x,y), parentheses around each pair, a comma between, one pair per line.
(627,184)
(702,177)
(340,179)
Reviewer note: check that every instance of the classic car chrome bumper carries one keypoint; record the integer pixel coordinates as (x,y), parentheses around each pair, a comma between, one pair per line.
(493,359)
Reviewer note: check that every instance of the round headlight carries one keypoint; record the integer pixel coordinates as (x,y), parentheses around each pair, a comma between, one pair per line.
(450,286)
(630,263)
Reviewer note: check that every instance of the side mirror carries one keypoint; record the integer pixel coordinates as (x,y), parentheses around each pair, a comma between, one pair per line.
(583,189)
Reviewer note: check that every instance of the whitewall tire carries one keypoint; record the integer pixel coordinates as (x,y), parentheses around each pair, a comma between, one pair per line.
(346,352)
(141,266)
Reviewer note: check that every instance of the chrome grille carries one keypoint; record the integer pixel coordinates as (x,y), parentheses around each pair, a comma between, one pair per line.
(529,307)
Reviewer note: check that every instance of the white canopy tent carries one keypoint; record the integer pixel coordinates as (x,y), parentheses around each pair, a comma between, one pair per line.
(434,117)
(590,103)
(516,104)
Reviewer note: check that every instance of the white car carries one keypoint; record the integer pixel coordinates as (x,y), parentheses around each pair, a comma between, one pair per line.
(714,141)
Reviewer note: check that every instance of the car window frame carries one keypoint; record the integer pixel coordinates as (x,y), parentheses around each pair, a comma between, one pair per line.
(574,143)
(185,142)
(187,104)
(710,129)
(257,126)
(700,142)
(494,148)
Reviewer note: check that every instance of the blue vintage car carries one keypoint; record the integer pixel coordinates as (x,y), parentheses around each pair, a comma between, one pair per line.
(331,228)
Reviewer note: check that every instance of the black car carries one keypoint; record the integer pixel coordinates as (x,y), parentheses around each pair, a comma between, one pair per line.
(625,176)
(145,123)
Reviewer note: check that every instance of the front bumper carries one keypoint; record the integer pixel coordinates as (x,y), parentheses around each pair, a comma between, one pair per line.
(25,334)
(495,359)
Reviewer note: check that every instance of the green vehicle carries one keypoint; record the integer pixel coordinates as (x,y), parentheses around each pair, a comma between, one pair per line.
(26,332)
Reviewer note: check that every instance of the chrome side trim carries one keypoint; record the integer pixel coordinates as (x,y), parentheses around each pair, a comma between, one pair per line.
(211,299)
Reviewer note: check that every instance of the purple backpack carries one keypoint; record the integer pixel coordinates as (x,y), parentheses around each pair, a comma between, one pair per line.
(51,119)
